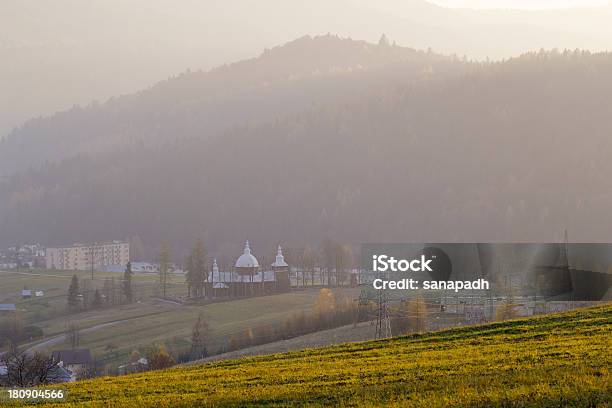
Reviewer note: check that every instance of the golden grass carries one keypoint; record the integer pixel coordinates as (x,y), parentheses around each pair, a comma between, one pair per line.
(557,360)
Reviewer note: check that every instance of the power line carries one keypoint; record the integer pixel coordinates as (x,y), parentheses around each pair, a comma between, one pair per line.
(383,323)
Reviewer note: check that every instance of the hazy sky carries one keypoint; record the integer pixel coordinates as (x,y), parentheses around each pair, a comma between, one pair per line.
(520,4)
(54,54)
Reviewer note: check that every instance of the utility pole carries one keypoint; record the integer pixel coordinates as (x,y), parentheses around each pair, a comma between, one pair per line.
(362,305)
(383,323)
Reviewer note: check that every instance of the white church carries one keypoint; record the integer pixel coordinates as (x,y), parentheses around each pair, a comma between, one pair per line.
(248,277)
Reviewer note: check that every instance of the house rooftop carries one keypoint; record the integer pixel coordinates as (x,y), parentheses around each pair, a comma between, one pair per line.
(76,356)
(7,307)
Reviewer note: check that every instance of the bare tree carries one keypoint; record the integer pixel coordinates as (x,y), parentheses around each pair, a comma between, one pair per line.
(28,369)
(164,267)
(11,329)
(328,258)
(309,260)
(410,317)
(199,338)
(126,285)
(106,290)
(159,358)
(113,297)
(73,335)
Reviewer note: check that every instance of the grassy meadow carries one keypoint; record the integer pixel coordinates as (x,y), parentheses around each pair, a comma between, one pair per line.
(138,326)
(112,333)
(54,284)
(555,360)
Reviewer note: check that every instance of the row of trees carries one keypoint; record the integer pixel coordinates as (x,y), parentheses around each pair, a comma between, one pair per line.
(327,265)
(410,317)
(80,295)
(197,269)
(13,331)
(329,311)
(158,356)
(333,259)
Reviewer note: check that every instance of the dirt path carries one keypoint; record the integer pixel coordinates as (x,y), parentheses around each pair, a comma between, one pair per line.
(58,338)
(168,301)
(61,337)
(36,274)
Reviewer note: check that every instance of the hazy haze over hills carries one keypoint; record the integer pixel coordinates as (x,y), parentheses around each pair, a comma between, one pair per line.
(283,80)
(57,54)
(329,137)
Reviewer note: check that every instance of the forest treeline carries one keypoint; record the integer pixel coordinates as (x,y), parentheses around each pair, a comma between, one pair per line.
(417,148)
(196,104)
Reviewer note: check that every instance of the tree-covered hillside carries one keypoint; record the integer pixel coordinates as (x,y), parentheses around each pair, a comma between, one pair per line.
(286,79)
(414,148)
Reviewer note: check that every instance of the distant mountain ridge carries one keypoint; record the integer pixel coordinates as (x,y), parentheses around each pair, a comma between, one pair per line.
(410,146)
(49,66)
(200,104)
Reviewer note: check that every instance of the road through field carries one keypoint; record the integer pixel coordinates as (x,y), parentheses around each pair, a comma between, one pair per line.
(62,337)
(36,274)
(59,338)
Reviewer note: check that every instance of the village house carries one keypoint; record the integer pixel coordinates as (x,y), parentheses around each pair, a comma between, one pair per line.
(140,365)
(77,361)
(6,308)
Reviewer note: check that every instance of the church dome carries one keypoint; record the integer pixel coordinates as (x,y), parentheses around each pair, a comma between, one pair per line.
(280,259)
(216,276)
(247,260)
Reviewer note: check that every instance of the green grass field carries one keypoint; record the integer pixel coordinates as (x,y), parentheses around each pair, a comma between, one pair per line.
(55,284)
(556,360)
(142,324)
(138,326)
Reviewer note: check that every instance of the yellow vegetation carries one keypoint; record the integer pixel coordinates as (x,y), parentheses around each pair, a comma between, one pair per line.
(556,360)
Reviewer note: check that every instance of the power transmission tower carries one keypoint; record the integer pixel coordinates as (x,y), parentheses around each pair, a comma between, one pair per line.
(92,261)
(564,258)
(383,324)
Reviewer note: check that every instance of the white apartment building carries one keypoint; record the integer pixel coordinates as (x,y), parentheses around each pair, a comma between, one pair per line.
(82,256)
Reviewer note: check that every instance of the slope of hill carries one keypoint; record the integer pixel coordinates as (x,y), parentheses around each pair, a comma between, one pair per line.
(556,360)
(286,79)
(418,137)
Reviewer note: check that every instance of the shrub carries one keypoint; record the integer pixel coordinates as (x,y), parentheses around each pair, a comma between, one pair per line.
(159,358)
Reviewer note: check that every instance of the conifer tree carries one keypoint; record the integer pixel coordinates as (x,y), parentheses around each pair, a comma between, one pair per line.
(97,300)
(73,293)
(164,267)
(384,41)
(126,286)
(106,290)
(197,270)
(189,277)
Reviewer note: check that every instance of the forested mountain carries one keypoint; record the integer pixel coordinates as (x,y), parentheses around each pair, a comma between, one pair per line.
(404,146)
(60,53)
(287,79)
